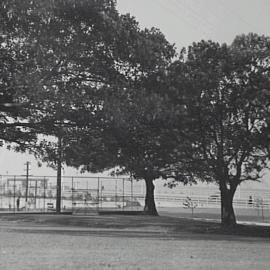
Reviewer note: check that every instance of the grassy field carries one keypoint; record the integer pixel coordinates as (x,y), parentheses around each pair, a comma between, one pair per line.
(34,242)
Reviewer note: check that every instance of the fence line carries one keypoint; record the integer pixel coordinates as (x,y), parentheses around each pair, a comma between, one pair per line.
(94,193)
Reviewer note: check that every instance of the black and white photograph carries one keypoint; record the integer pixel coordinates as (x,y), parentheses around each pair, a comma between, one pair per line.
(134,135)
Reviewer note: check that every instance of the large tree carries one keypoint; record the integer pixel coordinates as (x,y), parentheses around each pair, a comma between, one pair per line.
(227,104)
(57,55)
(143,132)
(72,58)
(57,58)
(132,113)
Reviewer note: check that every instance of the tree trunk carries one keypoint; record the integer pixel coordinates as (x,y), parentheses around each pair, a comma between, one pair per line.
(58,189)
(150,206)
(58,181)
(227,212)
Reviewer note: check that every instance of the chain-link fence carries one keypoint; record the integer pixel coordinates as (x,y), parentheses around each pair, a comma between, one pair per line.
(86,194)
(90,194)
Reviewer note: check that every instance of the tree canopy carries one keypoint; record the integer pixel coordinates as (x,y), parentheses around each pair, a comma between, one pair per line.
(227,104)
(73,59)
(114,95)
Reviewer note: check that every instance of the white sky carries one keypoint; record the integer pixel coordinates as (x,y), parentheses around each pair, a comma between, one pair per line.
(182,22)
(186,21)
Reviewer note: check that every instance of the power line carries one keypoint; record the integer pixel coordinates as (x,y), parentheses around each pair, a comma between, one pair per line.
(238,16)
(193,13)
(214,14)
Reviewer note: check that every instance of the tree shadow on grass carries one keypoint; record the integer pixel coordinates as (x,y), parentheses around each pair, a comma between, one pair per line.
(135,226)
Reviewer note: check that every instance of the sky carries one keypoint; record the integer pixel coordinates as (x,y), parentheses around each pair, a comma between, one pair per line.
(182,22)
(187,21)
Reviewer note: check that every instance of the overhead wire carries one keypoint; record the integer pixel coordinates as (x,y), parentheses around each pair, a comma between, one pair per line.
(213,13)
(239,17)
(183,4)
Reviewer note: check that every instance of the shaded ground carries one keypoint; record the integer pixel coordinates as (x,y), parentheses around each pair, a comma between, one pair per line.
(166,224)
(129,242)
(246,214)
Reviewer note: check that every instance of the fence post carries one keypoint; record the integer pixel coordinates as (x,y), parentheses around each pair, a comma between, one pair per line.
(115,193)
(72,187)
(35,194)
(101,194)
(262,210)
(123,193)
(14,199)
(1,194)
(44,195)
(131,187)
(98,194)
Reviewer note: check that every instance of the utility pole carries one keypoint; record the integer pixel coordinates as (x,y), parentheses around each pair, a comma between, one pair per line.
(27,164)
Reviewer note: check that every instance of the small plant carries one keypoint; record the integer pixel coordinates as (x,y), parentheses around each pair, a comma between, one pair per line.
(259,204)
(191,204)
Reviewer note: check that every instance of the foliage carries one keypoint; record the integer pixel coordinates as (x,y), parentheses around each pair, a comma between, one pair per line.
(80,72)
(139,55)
(227,103)
(12,114)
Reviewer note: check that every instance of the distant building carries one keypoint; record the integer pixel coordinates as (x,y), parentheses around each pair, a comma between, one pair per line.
(20,183)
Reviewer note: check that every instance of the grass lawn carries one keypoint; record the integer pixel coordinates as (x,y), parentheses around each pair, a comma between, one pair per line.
(129,242)
(242,214)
